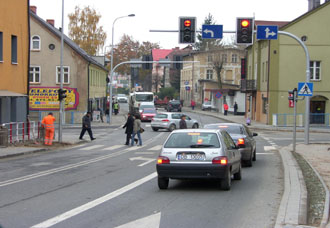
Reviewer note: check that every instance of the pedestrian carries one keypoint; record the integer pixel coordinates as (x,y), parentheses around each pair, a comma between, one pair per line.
(248,118)
(136,130)
(48,123)
(101,113)
(181,102)
(235,108)
(183,123)
(225,107)
(129,128)
(192,103)
(86,126)
(107,114)
(116,108)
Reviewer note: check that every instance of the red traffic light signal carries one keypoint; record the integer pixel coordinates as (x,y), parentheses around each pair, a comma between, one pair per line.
(244,30)
(187,23)
(245,23)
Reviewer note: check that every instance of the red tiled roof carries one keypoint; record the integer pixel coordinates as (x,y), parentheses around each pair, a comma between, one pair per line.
(278,23)
(160,53)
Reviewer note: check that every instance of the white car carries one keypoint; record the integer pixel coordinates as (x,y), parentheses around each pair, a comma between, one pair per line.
(121,98)
(207,105)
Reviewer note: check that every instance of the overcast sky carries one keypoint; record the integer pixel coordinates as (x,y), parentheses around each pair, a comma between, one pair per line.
(163,15)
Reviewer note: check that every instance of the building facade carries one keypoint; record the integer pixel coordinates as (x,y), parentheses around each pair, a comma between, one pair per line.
(14,60)
(277,66)
(84,78)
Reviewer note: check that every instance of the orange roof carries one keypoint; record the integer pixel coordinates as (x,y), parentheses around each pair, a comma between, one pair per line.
(160,53)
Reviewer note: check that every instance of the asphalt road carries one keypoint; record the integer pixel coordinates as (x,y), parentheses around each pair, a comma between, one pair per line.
(106,184)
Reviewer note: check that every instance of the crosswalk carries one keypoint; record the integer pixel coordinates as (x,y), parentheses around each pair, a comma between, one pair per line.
(116,147)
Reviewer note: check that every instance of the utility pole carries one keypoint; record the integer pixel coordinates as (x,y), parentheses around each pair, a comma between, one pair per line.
(61,79)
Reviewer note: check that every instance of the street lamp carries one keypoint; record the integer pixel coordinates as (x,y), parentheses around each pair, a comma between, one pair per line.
(111,66)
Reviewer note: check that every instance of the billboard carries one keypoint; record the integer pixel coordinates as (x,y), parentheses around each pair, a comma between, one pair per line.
(46,98)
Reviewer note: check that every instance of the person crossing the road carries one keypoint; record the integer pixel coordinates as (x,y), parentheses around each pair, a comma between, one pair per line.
(129,128)
(48,123)
(86,126)
(182,123)
(136,130)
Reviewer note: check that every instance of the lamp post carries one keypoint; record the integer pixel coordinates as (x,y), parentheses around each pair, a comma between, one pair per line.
(111,66)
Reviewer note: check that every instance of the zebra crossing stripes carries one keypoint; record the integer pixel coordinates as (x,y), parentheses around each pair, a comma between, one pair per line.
(91,147)
(158,147)
(113,147)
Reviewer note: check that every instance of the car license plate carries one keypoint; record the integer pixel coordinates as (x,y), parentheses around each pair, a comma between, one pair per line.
(191,156)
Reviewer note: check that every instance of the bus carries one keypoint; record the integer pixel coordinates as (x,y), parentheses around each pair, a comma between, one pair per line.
(136,98)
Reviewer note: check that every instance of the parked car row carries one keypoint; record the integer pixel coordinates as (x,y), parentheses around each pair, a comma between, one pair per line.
(216,152)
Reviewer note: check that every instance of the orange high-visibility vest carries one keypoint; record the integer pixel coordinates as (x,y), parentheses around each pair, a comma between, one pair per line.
(48,122)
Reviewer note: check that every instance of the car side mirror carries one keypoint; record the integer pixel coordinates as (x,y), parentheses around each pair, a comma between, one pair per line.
(255,134)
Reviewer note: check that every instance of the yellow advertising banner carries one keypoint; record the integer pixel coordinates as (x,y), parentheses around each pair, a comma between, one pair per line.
(46,98)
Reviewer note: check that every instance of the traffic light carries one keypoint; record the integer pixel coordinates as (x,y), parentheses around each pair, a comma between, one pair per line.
(178,66)
(61,94)
(244,30)
(187,30)
(147,66)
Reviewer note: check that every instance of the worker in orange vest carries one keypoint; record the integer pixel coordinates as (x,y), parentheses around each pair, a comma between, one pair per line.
(48,124)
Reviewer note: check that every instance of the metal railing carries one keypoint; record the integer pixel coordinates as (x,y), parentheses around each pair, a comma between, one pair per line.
(22,131)
(316,119)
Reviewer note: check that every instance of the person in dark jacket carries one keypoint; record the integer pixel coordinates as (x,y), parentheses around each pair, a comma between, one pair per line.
(182,123)
(235,108)
(86,126)
(129,128)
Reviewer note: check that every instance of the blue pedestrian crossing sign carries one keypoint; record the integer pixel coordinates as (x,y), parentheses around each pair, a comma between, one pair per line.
(212,31)
(267,32)
(305,89)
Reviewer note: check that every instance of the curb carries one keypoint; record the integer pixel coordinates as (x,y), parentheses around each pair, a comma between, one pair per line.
(293,206)
(24,153)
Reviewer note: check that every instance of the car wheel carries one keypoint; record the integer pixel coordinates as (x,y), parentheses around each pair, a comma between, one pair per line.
(238,175)
(249,162)
(226,182)
(254,156)
(195,125)
(172,127)
(163,182)
(155,129)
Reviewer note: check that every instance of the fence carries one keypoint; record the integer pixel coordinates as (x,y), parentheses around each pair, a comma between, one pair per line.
(285,120)
(21,131)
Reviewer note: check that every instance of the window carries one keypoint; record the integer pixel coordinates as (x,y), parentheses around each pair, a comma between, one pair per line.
(210,58)
(14,49)
(224,58)
(34,76)
(264,105)
(315,70)
(209,74)
(1,47)
(234,58)
(66,74)
(35,43)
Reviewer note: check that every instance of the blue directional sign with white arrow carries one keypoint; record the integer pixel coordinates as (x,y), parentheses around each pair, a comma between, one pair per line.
(267,32)
(212,31)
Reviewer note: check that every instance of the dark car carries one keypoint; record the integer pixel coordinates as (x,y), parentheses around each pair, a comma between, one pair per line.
(174,105)
(243,138)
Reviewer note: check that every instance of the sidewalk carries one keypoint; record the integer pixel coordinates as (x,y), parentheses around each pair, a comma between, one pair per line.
(293,208)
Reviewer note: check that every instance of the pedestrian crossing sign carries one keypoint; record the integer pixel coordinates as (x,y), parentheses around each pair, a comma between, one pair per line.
(305,89)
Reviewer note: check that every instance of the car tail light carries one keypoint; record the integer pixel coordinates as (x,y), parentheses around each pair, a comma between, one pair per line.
(241,142)
(163,160)
(152,119)
(222,160)
(166,120)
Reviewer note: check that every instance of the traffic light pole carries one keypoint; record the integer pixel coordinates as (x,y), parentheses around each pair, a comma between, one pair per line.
(61,80)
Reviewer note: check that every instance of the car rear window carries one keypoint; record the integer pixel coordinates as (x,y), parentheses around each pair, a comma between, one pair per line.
(161,116)
(175,102)
(149,111)
(231,129)
(193,140)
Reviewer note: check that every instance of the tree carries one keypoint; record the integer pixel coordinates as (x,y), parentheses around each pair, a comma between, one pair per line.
(84,30)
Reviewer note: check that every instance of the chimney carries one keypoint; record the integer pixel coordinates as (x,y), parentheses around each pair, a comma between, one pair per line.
(51,22)
(312,4)
(33,9)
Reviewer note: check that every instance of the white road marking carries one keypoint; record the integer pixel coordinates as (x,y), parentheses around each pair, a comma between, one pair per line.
(265,153)
(158,147)
(148,125)
(148,160)
(66,215)
(268,148)
(113,147)
(91,147)
(151,221)
(145,153)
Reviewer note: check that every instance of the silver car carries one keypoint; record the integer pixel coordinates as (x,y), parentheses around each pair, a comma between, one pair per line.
(199,154)
(243,138)
(170,121)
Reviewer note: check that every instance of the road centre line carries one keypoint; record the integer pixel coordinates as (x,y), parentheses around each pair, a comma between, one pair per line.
(66,215)
(67,167)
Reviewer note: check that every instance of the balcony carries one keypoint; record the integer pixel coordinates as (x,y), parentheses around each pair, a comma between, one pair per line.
(248,85)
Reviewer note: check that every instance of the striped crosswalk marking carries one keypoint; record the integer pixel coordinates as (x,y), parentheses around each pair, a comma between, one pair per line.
(158,147)
(91,147)
(145,153)
(113,147)
(268,148)
(265,153)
